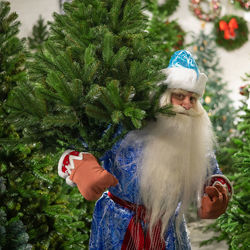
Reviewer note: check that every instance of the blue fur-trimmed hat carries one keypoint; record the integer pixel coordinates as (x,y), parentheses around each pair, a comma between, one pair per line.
(183,73)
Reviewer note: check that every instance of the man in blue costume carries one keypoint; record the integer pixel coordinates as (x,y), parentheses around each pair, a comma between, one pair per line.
(153,175)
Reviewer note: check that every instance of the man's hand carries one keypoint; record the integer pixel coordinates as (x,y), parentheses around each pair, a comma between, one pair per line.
(214,202)
(91,179)
(83,170)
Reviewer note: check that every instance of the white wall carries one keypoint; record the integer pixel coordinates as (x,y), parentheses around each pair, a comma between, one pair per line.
(235,63)
(29,11)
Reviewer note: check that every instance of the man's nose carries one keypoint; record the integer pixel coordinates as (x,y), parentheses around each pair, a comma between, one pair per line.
(186,104)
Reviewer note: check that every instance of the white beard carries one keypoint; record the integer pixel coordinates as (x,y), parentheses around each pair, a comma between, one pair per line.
(174,163)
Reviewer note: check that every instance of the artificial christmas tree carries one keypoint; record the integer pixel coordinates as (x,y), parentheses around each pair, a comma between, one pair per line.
(12,232)
(216,97)
(234,225)
(11,50)
(96,74)
(39,35)
(31,194)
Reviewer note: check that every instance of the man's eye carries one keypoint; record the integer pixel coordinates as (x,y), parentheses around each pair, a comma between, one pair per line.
(192,99)
(180,96)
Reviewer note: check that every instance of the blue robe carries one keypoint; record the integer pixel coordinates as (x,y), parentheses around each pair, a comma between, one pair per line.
(110,220)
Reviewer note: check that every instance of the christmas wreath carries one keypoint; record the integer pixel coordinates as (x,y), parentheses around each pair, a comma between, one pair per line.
(211,14)
(231,32)
(244,4)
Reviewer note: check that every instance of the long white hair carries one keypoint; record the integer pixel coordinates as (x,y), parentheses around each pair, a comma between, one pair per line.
(174,163)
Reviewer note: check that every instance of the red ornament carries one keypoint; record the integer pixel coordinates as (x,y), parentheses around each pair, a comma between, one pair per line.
(197,11)
(244,90)
(229,28)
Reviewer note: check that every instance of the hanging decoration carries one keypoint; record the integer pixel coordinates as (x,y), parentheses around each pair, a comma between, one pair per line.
(213,11)
(245,90)
(244,4)
(208,99)
(231,32)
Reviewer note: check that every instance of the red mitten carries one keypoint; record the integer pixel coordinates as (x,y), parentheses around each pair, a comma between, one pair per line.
(84,170)
(214,202)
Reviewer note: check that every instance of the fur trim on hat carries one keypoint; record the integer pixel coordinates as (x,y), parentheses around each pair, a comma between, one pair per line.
(186,79)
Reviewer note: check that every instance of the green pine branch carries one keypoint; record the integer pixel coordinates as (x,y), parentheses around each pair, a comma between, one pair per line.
(97,69)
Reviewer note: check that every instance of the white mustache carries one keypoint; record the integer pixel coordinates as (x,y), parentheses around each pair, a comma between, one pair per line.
(190,112)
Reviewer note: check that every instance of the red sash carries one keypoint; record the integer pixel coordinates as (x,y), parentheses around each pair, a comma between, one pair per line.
(134,237)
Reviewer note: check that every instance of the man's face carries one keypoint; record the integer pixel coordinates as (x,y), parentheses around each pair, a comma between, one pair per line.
(184,98)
